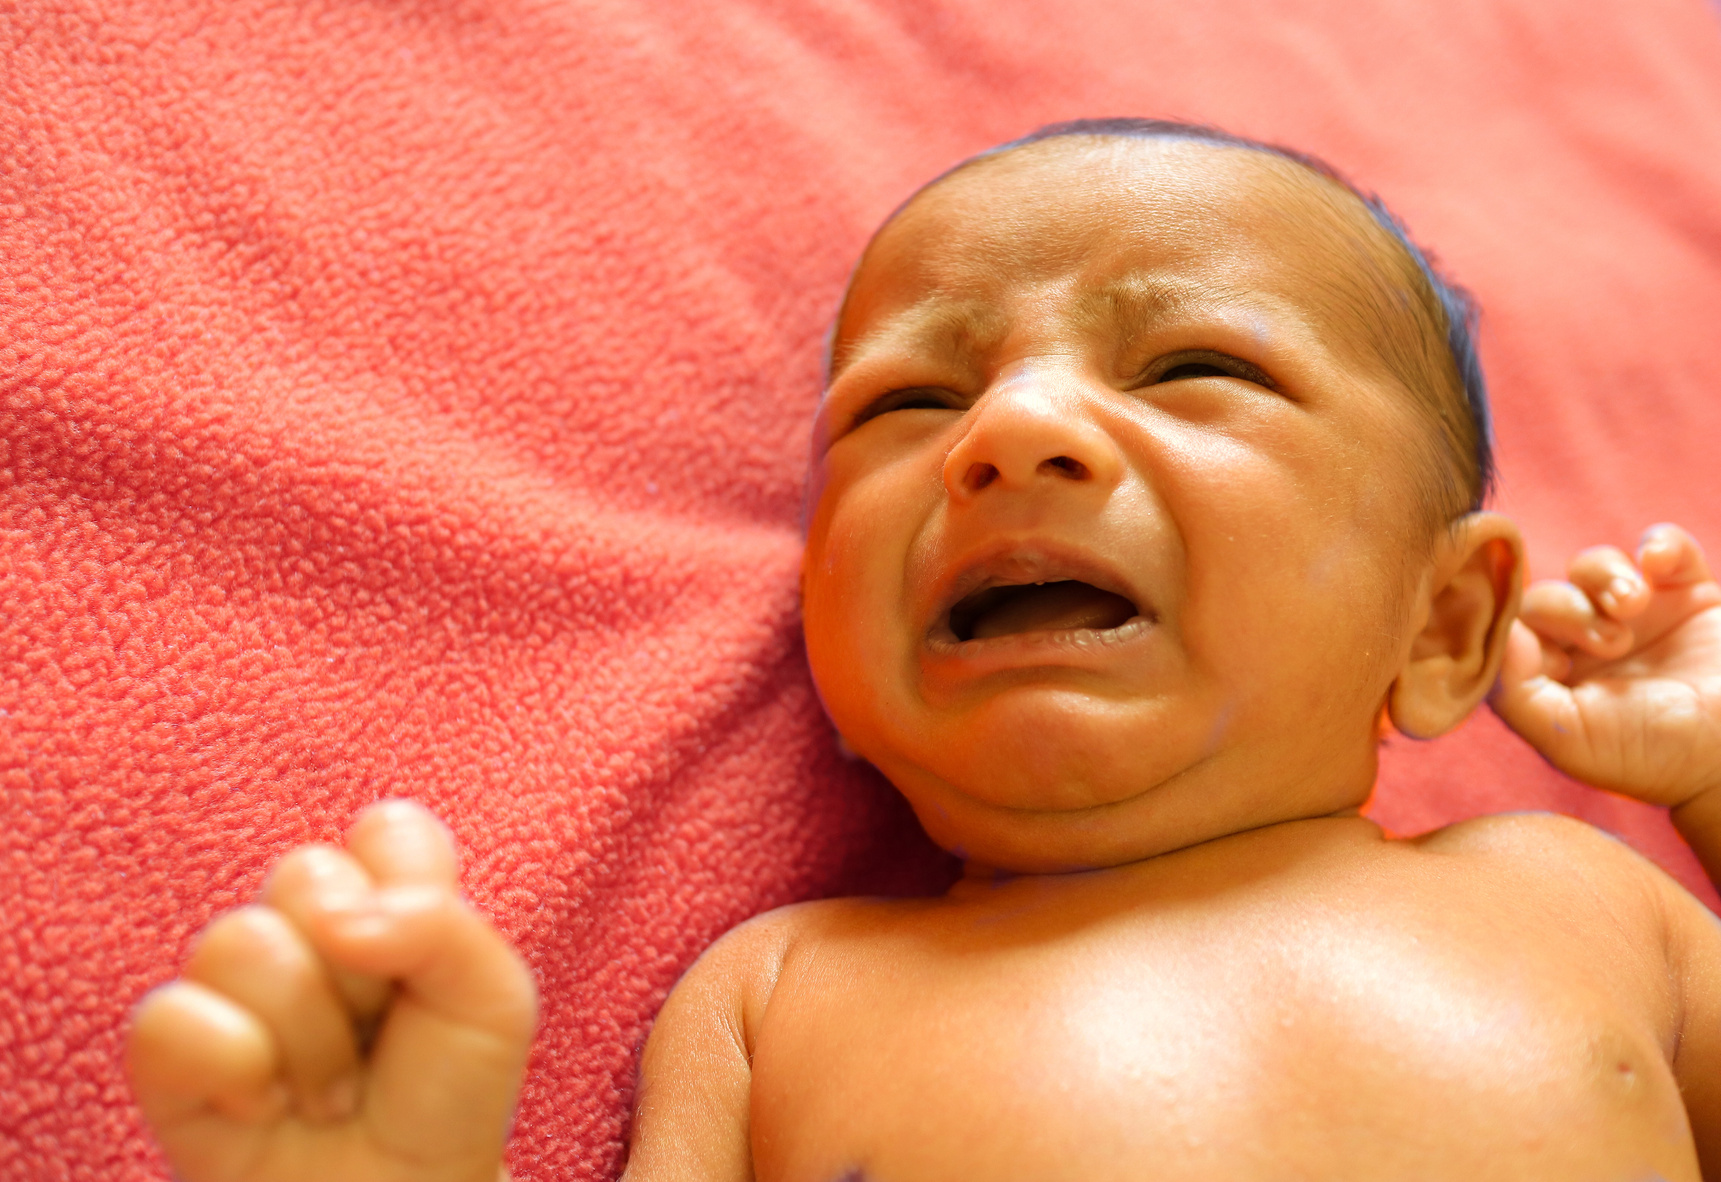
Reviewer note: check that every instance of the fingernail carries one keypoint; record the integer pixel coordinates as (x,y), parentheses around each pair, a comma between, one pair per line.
(409,900)
(373,913)
(366,922)
(1604,637)
(1623,588)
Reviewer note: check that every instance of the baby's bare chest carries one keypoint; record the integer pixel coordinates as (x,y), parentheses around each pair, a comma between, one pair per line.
(1257,1044)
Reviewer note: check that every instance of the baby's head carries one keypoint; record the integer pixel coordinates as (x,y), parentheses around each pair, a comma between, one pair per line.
(1147,473)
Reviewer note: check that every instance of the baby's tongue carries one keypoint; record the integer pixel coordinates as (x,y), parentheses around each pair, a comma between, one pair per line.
(1052,607)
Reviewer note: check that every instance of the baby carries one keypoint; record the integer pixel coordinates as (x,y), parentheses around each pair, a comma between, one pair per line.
(1148,478)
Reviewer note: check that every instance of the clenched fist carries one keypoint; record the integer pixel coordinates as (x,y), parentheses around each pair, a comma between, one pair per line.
(359,1023)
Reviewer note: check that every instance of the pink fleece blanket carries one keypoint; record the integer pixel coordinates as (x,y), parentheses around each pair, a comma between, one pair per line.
(410,399)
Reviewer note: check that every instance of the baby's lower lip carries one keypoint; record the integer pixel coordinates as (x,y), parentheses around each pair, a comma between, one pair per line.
(1067,646)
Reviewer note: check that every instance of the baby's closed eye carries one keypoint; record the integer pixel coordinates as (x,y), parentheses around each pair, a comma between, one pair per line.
(1189,364)
(910,398)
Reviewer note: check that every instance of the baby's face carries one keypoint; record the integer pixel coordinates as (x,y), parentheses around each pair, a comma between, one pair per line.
(1115,526)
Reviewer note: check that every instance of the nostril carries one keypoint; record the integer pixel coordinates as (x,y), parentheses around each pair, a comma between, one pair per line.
(1065,466)
(979,476)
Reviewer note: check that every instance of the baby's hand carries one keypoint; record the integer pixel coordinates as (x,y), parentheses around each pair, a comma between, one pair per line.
(361,1023)
(1615,675)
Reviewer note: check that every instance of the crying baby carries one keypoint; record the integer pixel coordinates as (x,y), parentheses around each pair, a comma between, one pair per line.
(1148,479)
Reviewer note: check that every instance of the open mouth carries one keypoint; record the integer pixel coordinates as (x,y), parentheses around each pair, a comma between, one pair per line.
(1065,606)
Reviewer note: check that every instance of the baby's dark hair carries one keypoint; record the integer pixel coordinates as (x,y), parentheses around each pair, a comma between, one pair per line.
(1442,308)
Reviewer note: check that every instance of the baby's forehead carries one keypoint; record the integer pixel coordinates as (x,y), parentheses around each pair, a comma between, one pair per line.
(1121,245)
(1120,307)
(1125,234)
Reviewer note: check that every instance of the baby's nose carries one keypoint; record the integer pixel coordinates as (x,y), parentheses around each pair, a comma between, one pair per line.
(1025,434)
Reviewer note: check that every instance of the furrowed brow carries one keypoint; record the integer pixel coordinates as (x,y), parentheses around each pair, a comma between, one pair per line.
(1130,306)
(958,332)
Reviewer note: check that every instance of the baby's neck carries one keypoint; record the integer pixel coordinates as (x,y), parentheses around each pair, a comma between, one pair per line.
(978,875)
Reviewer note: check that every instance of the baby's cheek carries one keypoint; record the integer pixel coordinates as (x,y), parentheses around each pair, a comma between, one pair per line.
(853,591)
(1337,659)
(849,565)
(1303,625)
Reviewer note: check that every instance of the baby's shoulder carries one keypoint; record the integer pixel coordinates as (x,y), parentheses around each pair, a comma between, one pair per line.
(756,950)
(1530,841)
(1607,901)
(1528,835)
(1559,862)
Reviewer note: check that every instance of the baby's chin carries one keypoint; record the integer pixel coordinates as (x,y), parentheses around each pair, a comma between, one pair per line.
(1013,820)
(1040,748)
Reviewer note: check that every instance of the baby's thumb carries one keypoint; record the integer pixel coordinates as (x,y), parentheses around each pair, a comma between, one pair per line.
(1526,698)
(442,954)
(1523,659)
(447,1063)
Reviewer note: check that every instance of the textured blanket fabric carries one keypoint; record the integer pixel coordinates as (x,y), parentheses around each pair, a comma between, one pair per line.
(410,398)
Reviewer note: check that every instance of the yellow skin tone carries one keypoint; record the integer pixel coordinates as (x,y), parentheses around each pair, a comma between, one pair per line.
(1178,951)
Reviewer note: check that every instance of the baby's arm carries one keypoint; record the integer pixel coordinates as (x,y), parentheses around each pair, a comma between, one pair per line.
(1694,945)
(695,1080)
(253,1068)
(1615,676)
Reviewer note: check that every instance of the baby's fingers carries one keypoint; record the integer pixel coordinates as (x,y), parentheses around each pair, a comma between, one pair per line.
(192,1050)
(314,878)
(1611,581)
(259,961)
(1536,705)
(415,928)
(447,1064)
(1527,657)
(398,842)
(392,842)
(1670,557)
(1562,614)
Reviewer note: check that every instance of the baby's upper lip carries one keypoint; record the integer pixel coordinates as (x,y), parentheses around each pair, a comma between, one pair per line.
(1017,561)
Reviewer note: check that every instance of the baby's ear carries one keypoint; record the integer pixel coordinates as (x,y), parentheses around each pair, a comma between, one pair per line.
(1462,616)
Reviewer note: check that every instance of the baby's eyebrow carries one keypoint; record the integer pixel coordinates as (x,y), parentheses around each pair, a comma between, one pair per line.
(959,331)
(1133,304)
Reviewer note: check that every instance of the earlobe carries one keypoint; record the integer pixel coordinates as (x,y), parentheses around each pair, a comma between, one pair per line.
(1463,617)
